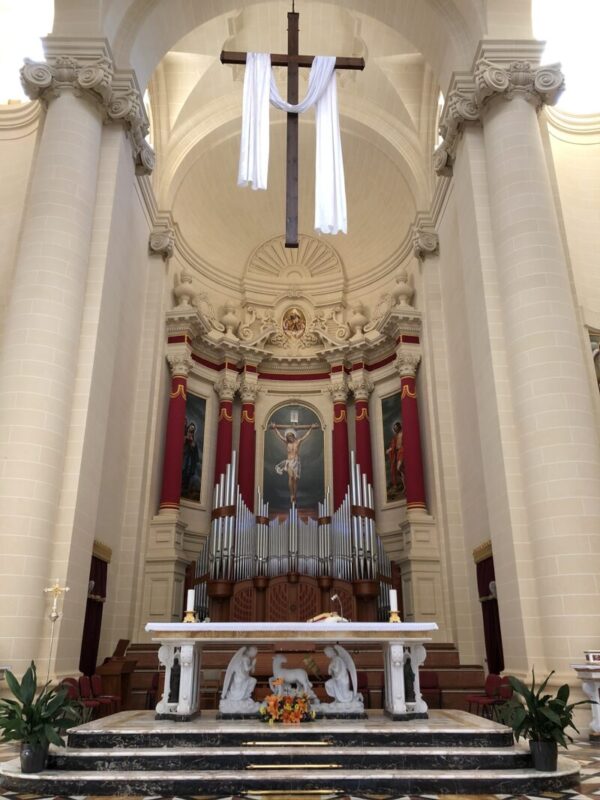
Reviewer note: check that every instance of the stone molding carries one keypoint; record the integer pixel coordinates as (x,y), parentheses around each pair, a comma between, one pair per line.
(87,69)
(425,242)
(180,363)
(502,77)
(407,364)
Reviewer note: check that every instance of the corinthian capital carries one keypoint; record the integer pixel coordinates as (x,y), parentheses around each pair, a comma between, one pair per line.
(180,363)
(249,390)
(226,387)
(362,387)
(539,86)
(338,390)
(407,364)
(425,243)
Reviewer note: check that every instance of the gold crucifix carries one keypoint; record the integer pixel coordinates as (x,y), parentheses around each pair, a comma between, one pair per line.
(56,591)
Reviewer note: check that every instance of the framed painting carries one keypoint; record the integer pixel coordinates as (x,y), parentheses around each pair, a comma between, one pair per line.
(193,447)
(393,448)
(293,462)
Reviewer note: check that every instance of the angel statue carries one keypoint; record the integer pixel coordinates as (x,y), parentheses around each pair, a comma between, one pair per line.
(236,697)
(342,685)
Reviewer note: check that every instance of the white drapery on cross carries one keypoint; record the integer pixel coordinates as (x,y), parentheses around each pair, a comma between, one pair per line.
(259,89)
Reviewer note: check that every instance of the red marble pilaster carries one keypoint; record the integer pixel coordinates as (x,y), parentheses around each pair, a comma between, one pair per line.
(362,387)
(340,446)
(224,438)
(247,446)
(411,434)
(170,493)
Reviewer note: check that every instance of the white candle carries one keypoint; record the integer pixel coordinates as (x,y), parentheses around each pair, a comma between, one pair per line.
(393,600)
(190,600)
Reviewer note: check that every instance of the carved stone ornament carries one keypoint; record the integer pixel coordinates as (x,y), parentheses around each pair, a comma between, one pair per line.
(425,243)
(162,242)
(338,390)
(226,387)
(249,390)
(403,292)
(184,291)
(293,322)
(407,364)
(362,387)
(539,86)
(180,363)
(93,77)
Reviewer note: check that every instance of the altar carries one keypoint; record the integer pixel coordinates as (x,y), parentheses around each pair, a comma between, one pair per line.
(182,643)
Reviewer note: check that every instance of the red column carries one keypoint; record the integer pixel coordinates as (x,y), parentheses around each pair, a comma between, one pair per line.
(247,448)
(225,388)
(411,433)
(170,493)
(340,451)
(362,426)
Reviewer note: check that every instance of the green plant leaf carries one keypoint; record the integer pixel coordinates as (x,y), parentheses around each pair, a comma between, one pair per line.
(28,685)
(13,685)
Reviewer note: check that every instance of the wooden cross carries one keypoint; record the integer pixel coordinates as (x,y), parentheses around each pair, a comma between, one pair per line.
(292,60)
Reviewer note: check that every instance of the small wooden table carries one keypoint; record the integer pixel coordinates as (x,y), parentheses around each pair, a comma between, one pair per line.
(182,642)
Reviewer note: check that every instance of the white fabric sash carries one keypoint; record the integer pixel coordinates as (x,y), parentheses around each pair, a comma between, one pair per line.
(259,88)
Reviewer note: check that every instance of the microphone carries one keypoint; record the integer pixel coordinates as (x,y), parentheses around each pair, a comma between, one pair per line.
(337,597)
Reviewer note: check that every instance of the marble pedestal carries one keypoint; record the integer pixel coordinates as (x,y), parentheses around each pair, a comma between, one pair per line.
(589,675)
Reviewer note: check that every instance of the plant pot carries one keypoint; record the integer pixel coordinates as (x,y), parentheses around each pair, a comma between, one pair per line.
(543,755)
(33,757)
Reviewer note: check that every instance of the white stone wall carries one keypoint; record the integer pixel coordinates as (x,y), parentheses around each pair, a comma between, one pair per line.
(19,125)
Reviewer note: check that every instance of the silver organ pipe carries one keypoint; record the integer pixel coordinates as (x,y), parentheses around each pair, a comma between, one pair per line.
(342,543)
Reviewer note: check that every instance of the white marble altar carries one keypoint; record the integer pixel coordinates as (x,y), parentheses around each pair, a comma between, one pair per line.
(183,642)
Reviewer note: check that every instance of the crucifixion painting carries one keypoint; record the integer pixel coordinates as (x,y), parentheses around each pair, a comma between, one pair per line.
(259,87)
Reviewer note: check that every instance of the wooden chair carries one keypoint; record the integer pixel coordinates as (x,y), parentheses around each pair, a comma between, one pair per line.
(99,694)
(484,703)
(85,692)
(72,685)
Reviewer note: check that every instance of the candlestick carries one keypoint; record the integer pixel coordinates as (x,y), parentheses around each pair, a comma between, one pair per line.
(190,615)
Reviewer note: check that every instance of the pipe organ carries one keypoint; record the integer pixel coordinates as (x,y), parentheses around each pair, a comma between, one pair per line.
(246,550)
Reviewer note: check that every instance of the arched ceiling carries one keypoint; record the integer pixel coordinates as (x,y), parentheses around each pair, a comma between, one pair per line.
(388,112)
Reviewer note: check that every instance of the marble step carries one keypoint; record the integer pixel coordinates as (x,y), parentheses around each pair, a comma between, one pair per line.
(220,782)
(305,756)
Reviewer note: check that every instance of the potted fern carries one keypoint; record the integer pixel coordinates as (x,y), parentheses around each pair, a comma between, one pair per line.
(36,719)
(543,719)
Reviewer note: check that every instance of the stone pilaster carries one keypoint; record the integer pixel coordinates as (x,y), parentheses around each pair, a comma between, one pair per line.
(225,387)
(340,447)
(362,387)
(162,242)
(249,390)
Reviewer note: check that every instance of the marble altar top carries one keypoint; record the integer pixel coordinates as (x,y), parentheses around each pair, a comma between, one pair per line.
(298,631)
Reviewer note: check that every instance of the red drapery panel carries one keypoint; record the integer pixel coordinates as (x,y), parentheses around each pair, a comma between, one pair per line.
(93,616)
(491,616)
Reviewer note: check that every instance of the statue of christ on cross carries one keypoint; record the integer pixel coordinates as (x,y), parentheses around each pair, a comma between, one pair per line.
(292,60)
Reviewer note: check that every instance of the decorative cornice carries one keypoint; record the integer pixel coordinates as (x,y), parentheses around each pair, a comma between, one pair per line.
(162,242)
(407,364)
(482,551)
(102,551)
(425,242)
(86,68)
(180,363)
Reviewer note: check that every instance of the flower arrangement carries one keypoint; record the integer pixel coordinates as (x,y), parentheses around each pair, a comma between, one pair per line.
(286,708)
